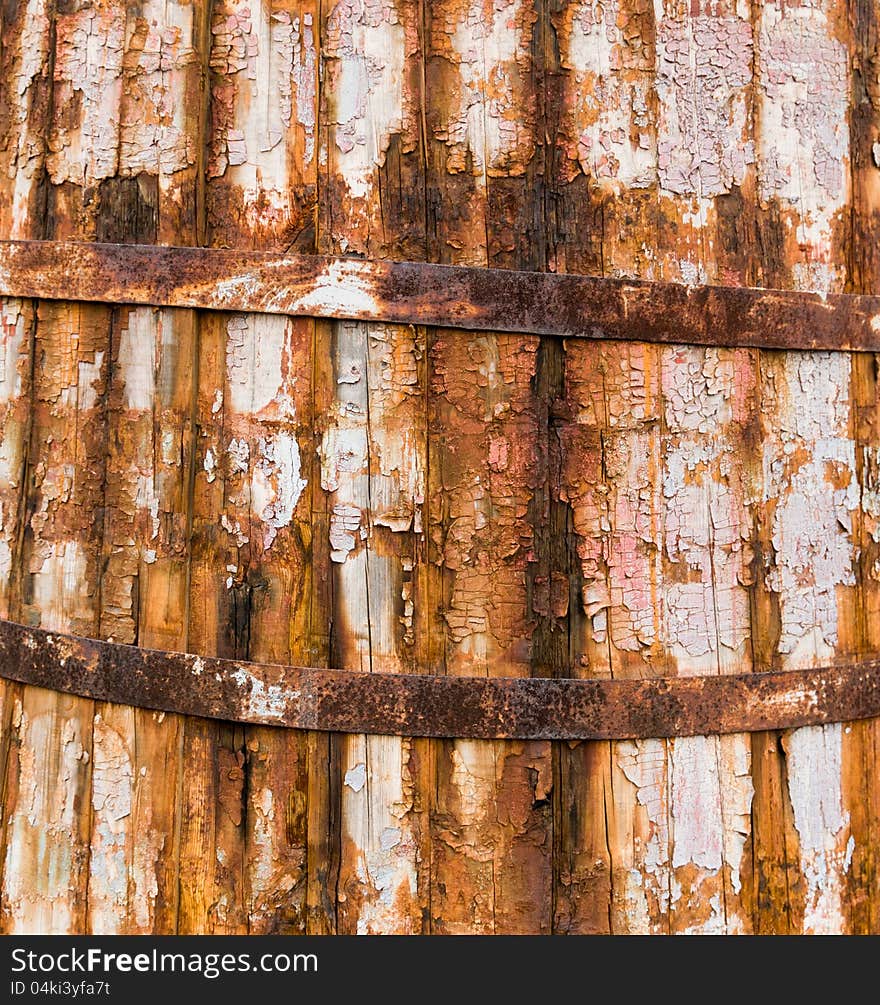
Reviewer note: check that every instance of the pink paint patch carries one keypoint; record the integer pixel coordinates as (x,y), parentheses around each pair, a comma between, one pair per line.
(498,450)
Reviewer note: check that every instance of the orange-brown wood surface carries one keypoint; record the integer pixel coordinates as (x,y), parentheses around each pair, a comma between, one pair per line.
(396,498)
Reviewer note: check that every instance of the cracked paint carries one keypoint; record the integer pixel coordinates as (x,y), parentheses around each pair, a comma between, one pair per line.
(84,146)
(153,131)
(803,100)
(814,785)
(260,162)
(704,70)
(610,132)
(372,461)
(700,143)
(111,805)
(23,148)
(363,58)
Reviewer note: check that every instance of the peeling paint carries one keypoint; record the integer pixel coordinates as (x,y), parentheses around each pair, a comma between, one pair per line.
(487,544)
(363,56)
(88,75)
(704,68)
(276,485)
(804,96)
(153,131)
(643,763)
(609,129)
(25,145)
(345,531)
(262,135)
(14,388)
(815,788)
(260,383)
(372,461)
(367,42)
(111,805)
(356,777)
(707,607)
(810,475)
(488,124)
(41,826)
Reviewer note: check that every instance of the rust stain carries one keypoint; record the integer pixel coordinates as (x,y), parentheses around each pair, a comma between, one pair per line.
(586,307)
(434,705)
(592,508)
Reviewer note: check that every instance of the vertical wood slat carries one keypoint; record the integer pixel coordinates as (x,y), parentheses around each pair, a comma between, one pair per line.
(17,328)
(860,744)
(49,809)
(605,189)
(706,394)
(143,600)
(258,562)
(374,453)
(491,822)
(584,805)
(212,850)
(152,196)
(322,794)
(809,490)
(63,538)
(25,87)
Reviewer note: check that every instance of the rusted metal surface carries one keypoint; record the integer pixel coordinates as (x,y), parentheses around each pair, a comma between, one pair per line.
(441,706)
(476,299)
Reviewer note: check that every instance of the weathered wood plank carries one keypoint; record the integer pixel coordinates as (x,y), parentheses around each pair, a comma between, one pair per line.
(26,87)
(374,448)
(143,601)
(25,96)
(49,807)
(151,196)
(63,542)
(605,186)
(860,744)
(599,172)
(491,826)
(17,332)
(261,173)
(266,460)
(213,875)
(703,106)
(808,494)
(651,210)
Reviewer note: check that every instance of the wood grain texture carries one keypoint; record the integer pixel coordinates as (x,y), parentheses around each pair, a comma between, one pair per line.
(60,565)
(50,799)
(807,495)
(400,498)
(703,104)
(491,822)
(136,769)
(149,194)
(608,460)
(374,451)
(26,92)
(860,746)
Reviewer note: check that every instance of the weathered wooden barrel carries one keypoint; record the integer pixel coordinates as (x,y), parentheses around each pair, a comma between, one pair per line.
(515,602)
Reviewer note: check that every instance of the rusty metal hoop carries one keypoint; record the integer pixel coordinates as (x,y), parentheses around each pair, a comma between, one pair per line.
(345,701)
(472,299)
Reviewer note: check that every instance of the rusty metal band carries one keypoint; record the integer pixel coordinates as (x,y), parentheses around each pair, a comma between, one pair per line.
(446,296)
(439,706)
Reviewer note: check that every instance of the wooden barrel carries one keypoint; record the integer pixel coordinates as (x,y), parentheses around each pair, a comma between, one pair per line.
(403,498)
